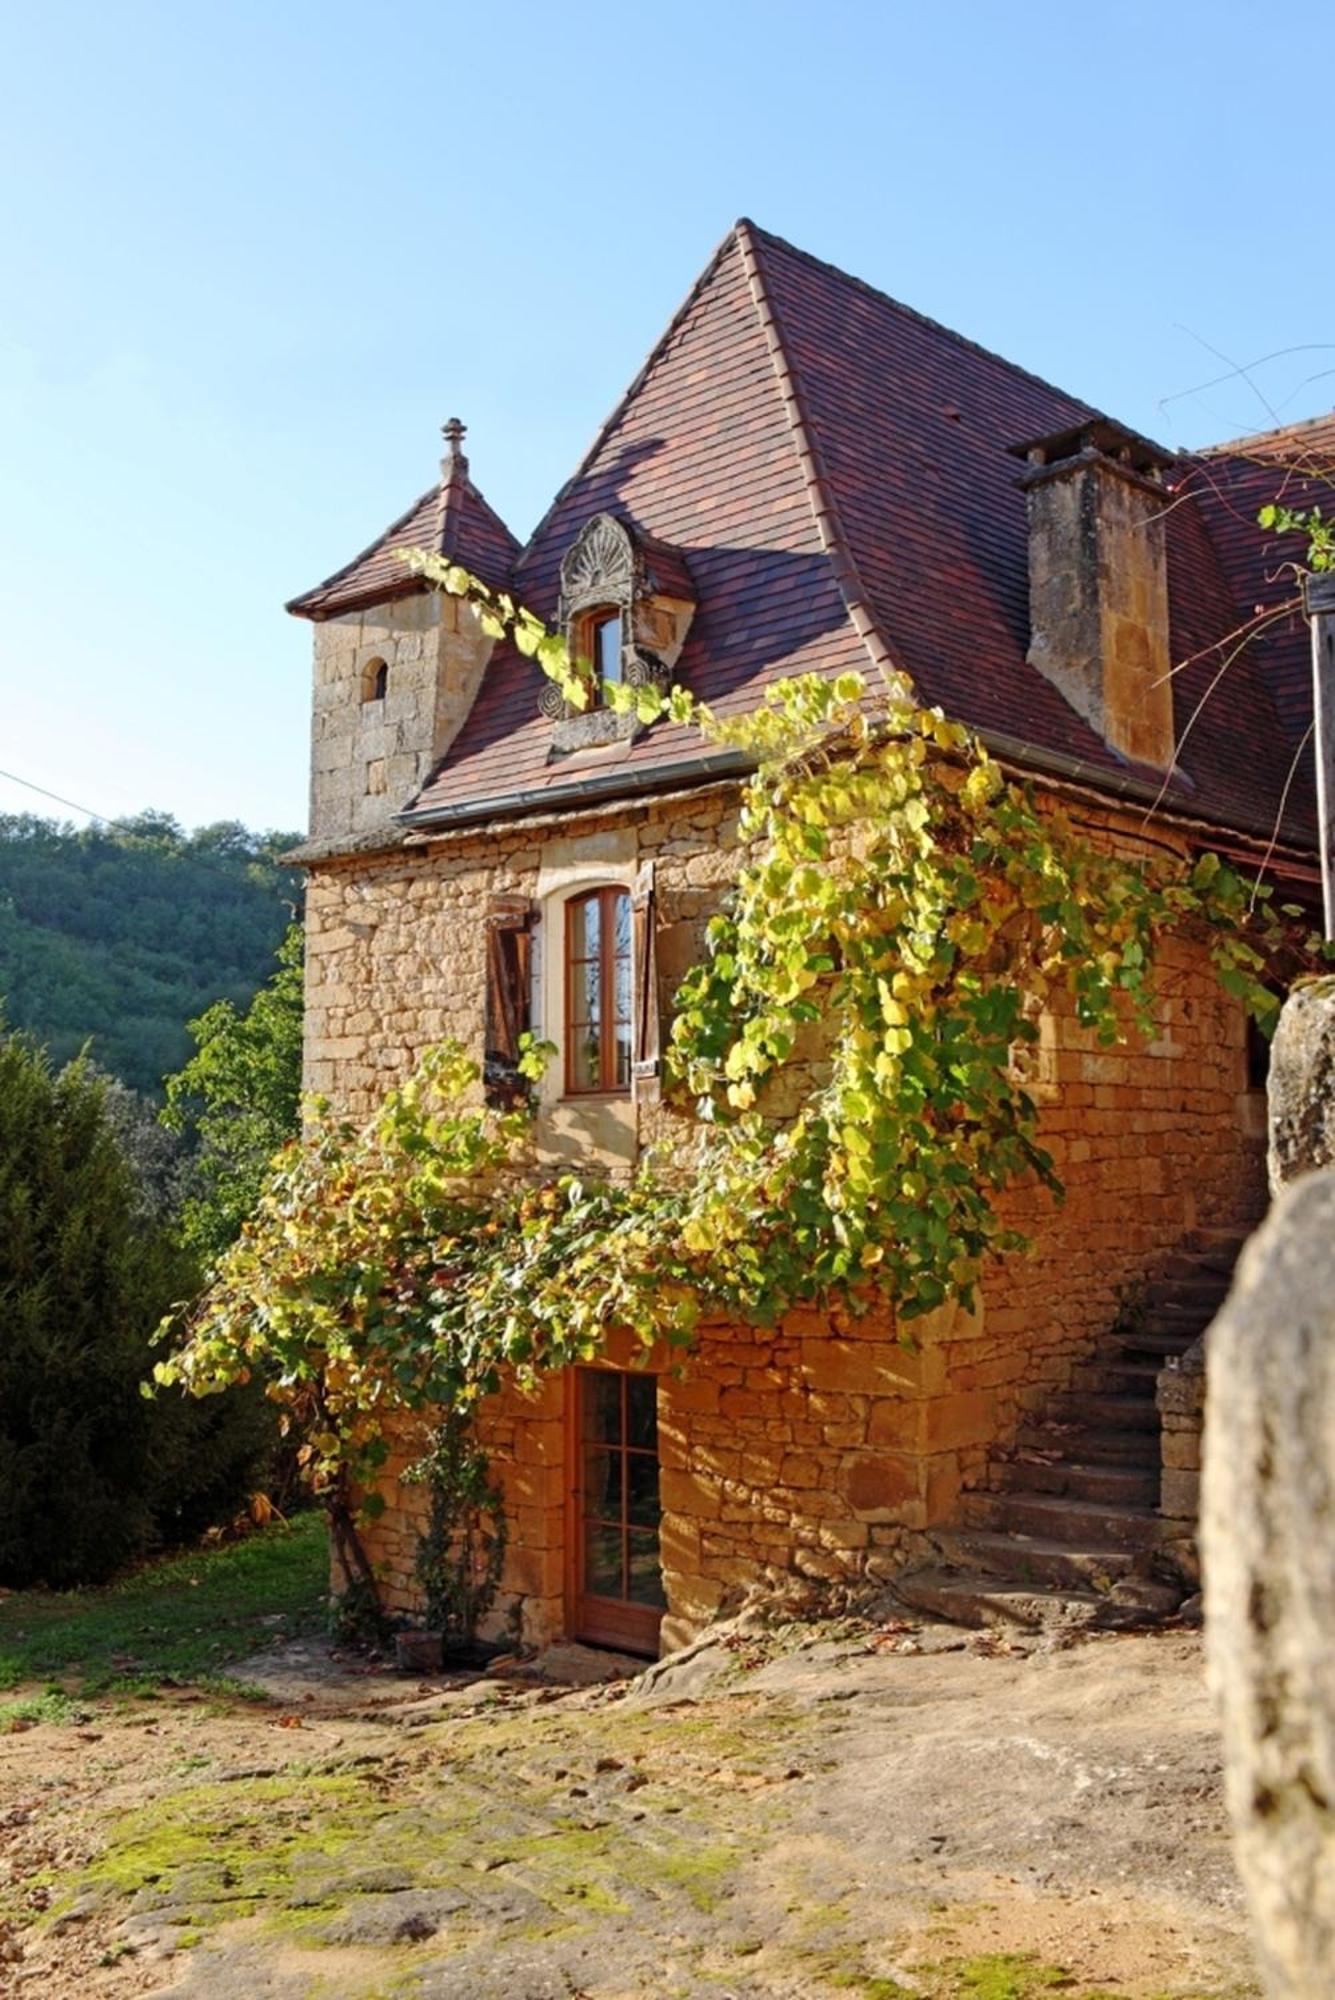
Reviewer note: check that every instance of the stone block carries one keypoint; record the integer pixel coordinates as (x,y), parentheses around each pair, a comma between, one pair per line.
(962,1419)
(880,1485)
(895,1421)
(858,1367)
(693,1597)
(696,1395)
(1180,1451)
(943,1491)
(695,1494)
(1179,1495)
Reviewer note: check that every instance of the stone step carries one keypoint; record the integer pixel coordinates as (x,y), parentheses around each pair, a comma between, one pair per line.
(1181,1315)
(1090,1444)
(1208,1236)
(963,1598)
(1028,1560)
(1218,1250)
(1196,1288)
(1106,1412)
(1064,1518)
(1155,1340)
(1124,1485)
(1130,1374)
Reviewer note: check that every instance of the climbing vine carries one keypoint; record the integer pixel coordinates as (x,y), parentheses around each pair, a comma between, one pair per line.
(462,1548)
(853,1045)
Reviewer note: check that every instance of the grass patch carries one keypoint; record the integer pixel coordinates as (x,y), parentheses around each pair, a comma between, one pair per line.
(1004,1975)
(182,1619)
(53,1706)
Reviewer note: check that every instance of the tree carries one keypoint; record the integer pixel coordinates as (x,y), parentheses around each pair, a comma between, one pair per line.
(118,935)
(239,1098)
(91,1474)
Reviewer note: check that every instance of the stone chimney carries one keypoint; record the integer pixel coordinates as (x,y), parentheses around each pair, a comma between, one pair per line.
(1098,582)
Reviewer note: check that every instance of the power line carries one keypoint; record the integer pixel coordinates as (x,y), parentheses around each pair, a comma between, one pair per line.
(61,800)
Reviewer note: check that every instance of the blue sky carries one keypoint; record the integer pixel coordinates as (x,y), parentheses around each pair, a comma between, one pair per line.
(251,256)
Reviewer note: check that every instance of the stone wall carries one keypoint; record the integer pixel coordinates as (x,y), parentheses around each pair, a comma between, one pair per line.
(820,1448)
(368,757)
(1180,1396)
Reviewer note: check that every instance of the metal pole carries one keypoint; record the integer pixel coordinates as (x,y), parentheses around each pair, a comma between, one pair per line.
(1319,592)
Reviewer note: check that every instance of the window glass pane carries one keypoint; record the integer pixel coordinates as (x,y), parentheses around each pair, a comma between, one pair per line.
(622,1058)
(585,994)
(585,929)
(602,1561)
(602,1483)
(621,927)
(645,1583)
(607,649)
(642,1508)
(621,989)
(642,1411)
(602,1405)
(585,1060)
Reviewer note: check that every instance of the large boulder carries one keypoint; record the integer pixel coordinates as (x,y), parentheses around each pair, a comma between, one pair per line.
(1302,1084)
(1268,1542)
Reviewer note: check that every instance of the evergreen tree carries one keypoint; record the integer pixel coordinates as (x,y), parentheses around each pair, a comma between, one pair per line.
(91,1473)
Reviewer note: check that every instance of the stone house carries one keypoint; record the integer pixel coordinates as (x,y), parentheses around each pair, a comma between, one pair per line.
(806,475)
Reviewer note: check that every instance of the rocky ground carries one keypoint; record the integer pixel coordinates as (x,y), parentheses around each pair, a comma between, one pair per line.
(877,1810)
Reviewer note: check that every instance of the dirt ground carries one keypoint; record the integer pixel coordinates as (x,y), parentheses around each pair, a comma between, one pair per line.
(892,1810)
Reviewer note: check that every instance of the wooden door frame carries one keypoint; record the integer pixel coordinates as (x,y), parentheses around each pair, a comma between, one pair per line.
(628,1634)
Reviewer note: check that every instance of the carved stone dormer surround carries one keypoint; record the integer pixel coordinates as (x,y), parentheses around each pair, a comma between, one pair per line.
(607,568)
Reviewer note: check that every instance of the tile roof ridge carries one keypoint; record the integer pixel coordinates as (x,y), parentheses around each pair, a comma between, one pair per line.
(1238,447)
(450,510)
(456,490)
(294,604)
(480,501)
(923,319)
(609,423)
(819,492)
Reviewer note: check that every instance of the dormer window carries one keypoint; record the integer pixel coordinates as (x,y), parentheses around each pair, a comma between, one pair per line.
(624,606)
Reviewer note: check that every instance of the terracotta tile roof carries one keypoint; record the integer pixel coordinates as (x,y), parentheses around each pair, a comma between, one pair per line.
(1230,484)
(453,519)
(835,471)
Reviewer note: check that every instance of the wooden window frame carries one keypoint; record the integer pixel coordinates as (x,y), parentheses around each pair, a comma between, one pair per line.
(586,646)
(608,1084)
(597,1620)
(507,929)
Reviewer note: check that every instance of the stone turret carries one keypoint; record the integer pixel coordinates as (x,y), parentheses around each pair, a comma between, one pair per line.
(397,664)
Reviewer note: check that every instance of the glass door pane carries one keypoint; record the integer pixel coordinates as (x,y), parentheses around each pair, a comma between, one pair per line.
(619,1583)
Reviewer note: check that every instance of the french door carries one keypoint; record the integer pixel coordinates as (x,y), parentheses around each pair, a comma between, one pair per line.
(617,1576)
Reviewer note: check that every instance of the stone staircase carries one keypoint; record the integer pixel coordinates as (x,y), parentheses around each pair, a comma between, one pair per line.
(1065,1533)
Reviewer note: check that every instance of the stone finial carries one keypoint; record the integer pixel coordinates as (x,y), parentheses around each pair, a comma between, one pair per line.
(453,432)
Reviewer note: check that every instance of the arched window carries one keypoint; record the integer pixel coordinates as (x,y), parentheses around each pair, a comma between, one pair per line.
(598,991)
(375,680)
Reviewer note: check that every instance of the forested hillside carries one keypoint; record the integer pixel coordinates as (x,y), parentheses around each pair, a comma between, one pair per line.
(121,935)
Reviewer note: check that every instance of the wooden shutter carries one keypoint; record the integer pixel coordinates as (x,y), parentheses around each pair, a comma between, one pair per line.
(645,1050)
(507,924)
